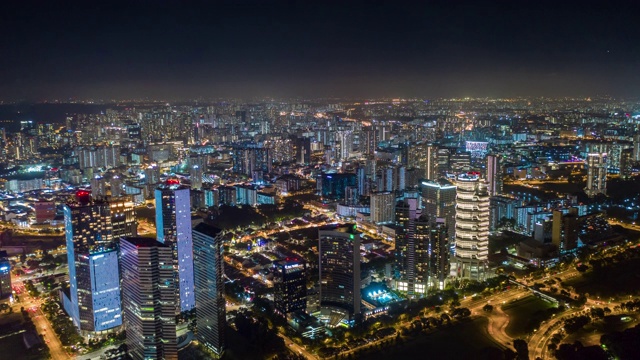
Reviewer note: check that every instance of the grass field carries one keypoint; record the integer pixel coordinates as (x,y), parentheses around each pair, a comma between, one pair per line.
(461,341)
(521,314)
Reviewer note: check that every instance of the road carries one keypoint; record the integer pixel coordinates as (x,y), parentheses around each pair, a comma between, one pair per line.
(44,327)
(297,349)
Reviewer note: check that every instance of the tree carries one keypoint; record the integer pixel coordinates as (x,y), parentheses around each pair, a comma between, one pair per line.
(522,349)
(487,308)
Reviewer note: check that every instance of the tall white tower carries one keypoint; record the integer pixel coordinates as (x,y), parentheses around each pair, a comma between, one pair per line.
(472,227)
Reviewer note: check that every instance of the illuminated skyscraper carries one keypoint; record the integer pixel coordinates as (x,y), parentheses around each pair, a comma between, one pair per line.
(494,175)
(339,269)
(439,201)
(424,156)
(123,217)
(209,281)
(94,279)
(290,286)
(173,226)
(472,227)
(148,298)
(197,165)
(345,140)
(596,174)
(626,163)
(382,205)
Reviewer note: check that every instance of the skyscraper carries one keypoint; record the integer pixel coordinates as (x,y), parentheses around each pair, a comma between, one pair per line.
(290,286)
(564,230)
(596,174)
(406,245)
(345,140)
(339,269)
(123,217)
(439,201)
(424,156)
(438,253)
(92,255)
(209,282)
(494,175)
(173,226)
(197,165)
(626,163)
(148,298)
(472,227)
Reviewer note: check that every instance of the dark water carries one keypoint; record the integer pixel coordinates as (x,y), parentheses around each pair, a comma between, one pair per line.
(43,113)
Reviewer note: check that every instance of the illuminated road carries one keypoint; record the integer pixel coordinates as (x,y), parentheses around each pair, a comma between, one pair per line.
(297,349)
(44,327)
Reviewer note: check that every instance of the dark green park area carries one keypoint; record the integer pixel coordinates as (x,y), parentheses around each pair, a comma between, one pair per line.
(525,315)
(466,340)
(614,280)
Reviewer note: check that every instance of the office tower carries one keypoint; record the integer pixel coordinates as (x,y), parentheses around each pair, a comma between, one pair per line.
(494,175)
(596,174)
(5,275)
(437,252)
(345,140)
(381,208)
(93,265)
(564,230)
(123,217)
(209,282)
(626,163)
(424,156)
(439,201)
(290,286)
(148,298)
(636,147)
(472,227)
(339,269)
(251,158)
(442,156)
(173,227)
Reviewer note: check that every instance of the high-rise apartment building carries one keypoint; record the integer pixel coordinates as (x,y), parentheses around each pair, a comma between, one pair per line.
(290,285)
(424,156)
(339,269)
(494,175)
(345,141)
(472,227)
(439,201)
(382,207)
(596,174)
(250,159)
(148,298)
(209,284)
(564,230)
(173,227)
(626,163)
(94,279)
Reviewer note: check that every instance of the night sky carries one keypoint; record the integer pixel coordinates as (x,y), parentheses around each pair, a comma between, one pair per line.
(169,50)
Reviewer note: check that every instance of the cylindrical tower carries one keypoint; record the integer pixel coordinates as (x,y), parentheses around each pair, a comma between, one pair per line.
(472,227)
